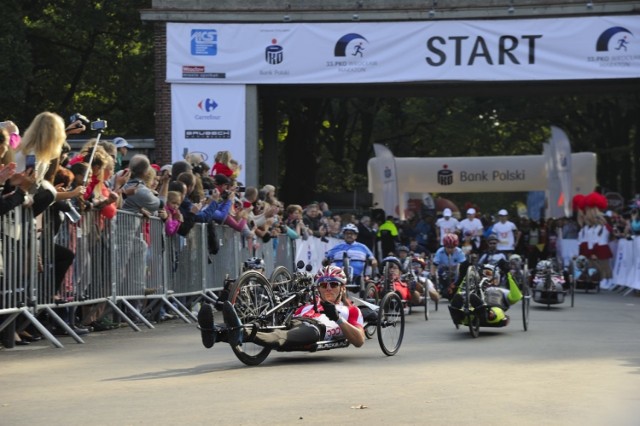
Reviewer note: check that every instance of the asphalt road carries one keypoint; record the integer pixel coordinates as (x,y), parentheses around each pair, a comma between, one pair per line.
(575,366)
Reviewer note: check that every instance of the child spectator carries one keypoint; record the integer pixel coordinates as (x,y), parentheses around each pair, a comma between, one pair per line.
(174,218)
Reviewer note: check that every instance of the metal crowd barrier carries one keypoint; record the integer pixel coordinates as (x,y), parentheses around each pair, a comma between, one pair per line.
(127,264)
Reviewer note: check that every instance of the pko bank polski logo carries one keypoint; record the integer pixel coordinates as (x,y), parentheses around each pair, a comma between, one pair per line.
(445,176)
(350,52)
(204,42)
(207,105)
(616,48)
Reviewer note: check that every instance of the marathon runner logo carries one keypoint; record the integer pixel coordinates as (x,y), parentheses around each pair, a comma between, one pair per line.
(445,176)
(350,51)
(615,49)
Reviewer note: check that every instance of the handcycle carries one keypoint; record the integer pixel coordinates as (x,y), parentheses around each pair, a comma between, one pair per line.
(377,287)
(550,286)
(473,288)
(585,274)
(255,303)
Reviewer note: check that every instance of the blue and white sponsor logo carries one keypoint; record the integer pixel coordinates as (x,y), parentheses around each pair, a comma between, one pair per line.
(204,42)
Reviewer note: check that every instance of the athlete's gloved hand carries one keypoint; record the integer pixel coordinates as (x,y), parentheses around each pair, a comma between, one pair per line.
(330,310)
(504,266)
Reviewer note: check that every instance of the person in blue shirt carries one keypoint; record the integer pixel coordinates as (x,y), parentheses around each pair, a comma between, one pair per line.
(446,265)
(357,253)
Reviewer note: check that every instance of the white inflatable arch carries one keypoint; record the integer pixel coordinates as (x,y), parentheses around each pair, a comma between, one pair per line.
(471,174)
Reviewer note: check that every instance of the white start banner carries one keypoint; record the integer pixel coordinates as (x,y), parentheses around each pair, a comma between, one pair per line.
(598,47)
(207,120)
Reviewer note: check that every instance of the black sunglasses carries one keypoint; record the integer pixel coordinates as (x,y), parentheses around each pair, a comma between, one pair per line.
(333,284)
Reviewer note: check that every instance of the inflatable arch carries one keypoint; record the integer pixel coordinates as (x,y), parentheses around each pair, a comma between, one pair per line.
(471,174)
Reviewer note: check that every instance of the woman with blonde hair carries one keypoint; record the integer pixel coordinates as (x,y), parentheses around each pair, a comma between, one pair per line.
(43,138)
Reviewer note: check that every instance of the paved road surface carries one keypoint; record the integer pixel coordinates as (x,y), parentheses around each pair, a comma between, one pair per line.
(577,366)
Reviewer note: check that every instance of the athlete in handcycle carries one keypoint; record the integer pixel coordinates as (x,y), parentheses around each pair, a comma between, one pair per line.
(480,302)
(446,264)
(353,257)
(324,318)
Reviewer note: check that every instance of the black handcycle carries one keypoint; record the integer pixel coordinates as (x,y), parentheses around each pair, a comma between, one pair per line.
(257,304)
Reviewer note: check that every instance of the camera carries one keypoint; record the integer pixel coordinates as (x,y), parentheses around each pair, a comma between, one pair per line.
(99,125)
(72,214)
(225,194)
(79,117)
(241,189)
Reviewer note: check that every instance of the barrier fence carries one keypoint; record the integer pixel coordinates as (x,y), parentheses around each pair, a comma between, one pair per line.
(126,266)
(129,268)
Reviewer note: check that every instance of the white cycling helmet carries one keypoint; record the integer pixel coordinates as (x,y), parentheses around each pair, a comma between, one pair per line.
(350,227)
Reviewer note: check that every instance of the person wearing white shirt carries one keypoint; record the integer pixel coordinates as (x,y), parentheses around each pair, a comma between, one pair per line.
(471,230)
(507,233)
(446,225)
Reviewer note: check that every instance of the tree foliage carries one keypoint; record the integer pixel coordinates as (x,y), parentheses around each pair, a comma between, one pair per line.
(94,57)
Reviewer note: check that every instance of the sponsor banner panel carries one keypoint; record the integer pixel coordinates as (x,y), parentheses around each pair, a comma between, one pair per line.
(208,120)
(378,52)
(479,174)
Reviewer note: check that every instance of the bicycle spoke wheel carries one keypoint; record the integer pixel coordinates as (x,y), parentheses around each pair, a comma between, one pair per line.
(526,301)
(251,297)
(282,282)
(371,294)
(390,324)
(370,330)
(426,304)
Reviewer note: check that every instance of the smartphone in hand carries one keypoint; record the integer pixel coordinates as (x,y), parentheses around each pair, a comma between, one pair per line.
(30,162)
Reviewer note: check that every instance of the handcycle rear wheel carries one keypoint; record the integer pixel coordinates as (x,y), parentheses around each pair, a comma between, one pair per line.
(426,304)
(526,300)
(390,325)
(251,296)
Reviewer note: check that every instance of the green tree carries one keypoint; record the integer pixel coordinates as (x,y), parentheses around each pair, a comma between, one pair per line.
(94,57)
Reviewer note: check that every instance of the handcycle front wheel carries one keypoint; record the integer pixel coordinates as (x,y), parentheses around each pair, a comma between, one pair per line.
(282,281)
(526,301)
(251,296)
(390,325)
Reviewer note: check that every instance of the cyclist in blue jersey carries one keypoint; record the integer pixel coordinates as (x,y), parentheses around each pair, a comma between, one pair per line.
(446,265)
(357,253)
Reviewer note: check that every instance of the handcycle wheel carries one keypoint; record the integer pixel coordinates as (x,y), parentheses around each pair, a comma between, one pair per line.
(526,300)
(572,289)
(473,320)
(282,281)
(371,294)
(390,323)
(474,326)
(426,304)
(251,296)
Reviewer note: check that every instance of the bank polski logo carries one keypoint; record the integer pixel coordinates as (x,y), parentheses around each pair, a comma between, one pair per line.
(387,173)
(614,39)
(204,42)
(445,176)
(207,105)
(351,44)
(274,54)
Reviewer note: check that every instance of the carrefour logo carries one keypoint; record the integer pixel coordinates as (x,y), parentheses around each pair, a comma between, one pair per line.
(621,39)
(207,105)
